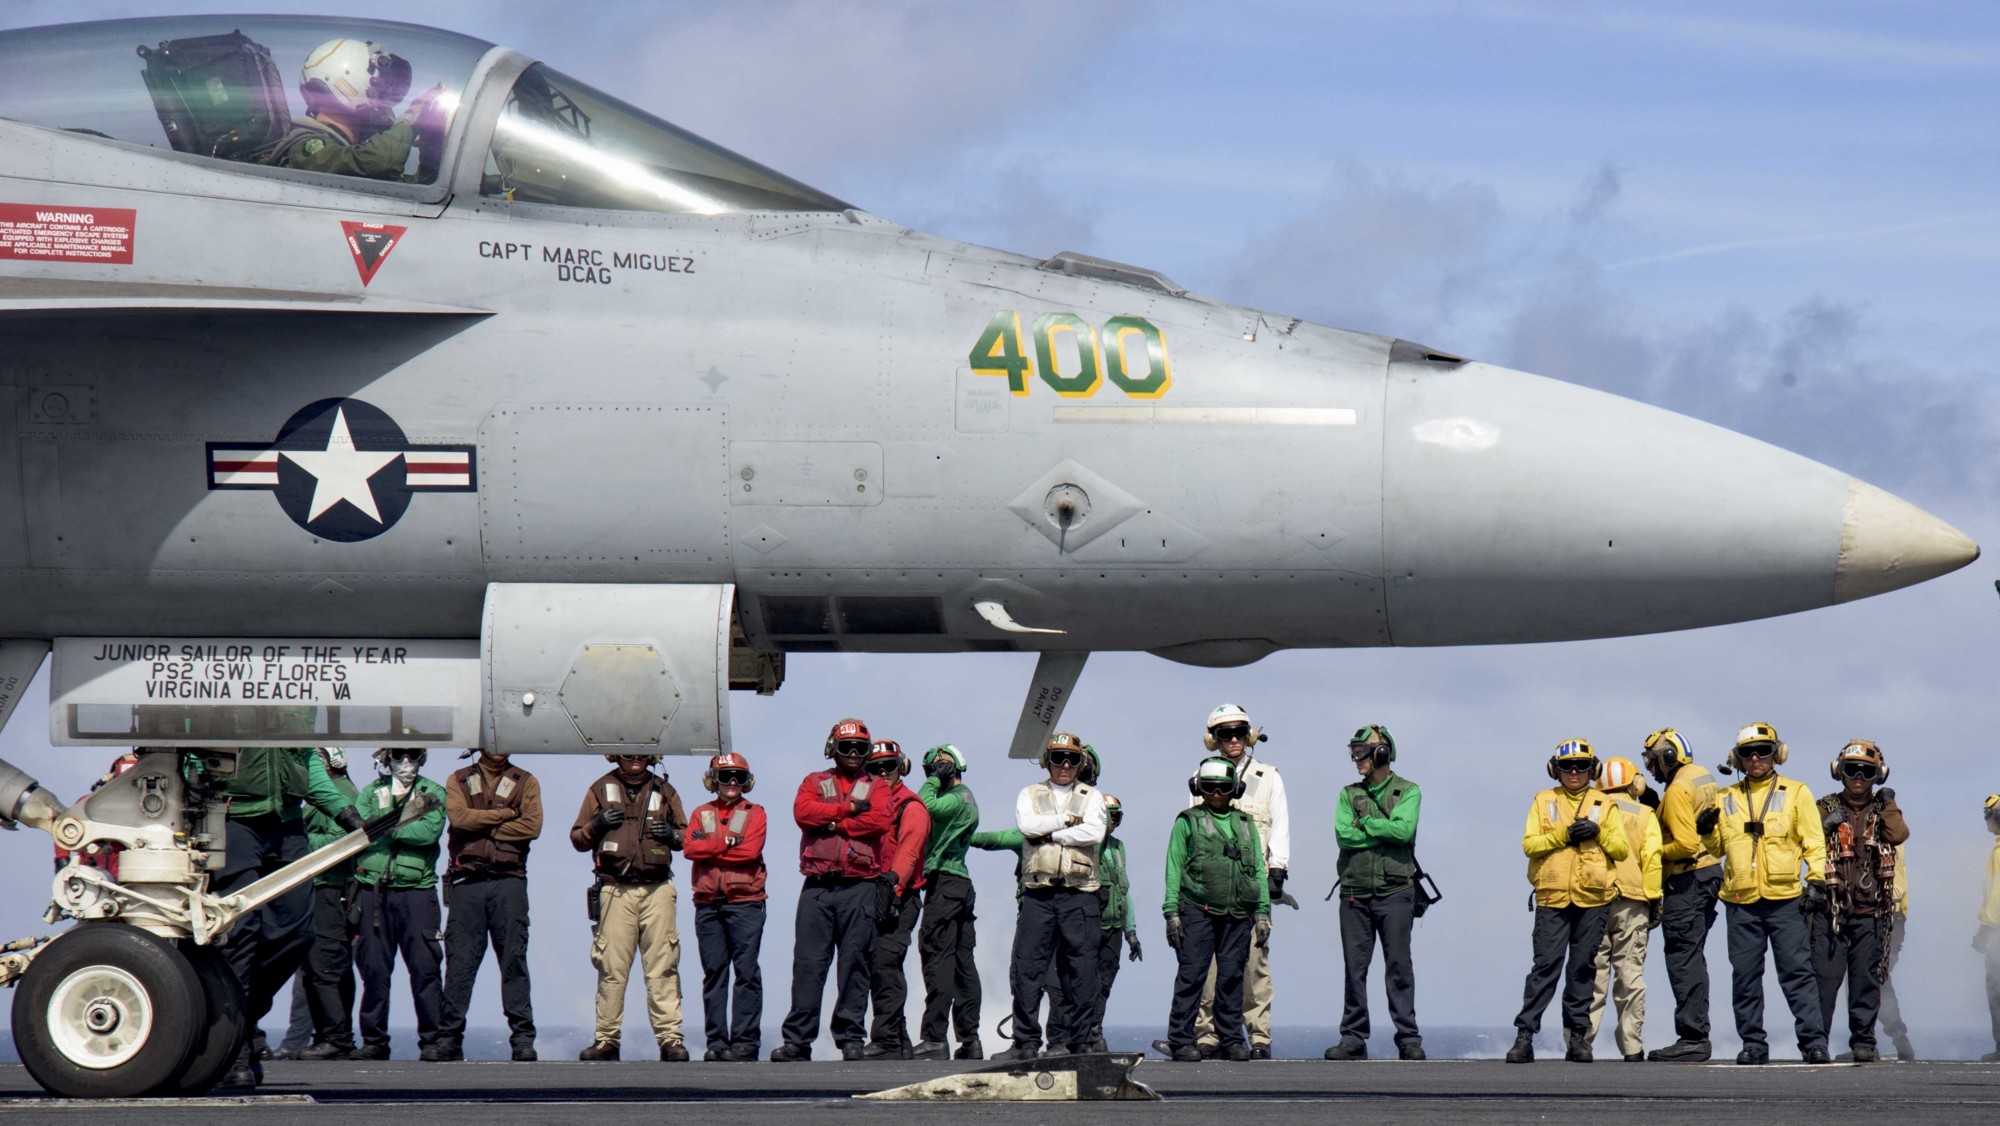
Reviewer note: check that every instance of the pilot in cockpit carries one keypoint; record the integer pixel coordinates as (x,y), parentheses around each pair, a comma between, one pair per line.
(351,127)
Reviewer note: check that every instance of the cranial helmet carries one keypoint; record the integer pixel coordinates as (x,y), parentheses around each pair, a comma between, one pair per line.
(1753,734)
(888,750)
(1573,750)
(1223,716)
(1377,736)
(1063,741)
(1859,750)
(727,761)
(1216,769)
(1668,746)
(363,80)
(1114,810)
(1091,768)
(944,750)
(846,730)
(1616,774)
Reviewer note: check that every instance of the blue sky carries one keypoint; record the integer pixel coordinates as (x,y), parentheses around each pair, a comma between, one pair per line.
(1776,217)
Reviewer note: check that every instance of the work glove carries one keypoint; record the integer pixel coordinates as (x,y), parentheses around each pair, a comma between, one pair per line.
(1581,831)
(1277,877)
(1833,818)
(1132,951)
(348,819)
(943,768)
(661,829)
(1982,938)
(607,819)
(1815,899)
(886,904)
(1656,913)
(1260,932)
(1704,822)
(859,805)
(1174,931)
(1886,794)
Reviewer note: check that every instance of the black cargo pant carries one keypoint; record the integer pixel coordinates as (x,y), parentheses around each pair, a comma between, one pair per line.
(1849,954)
(399,921)
(271,945)
(1225,940)
(1781,926)
(1110,944)
(1363,920)
(945,945)
(487,912)
(1687,911)
(730,937)
(1062,924)
(330,969)
(1576,932)
(836,917)
(888,985)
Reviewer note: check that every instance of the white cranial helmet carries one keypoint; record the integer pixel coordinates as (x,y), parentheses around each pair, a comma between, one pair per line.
(360,77)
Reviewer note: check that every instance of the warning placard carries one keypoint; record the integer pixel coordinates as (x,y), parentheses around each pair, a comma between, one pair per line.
(32,232)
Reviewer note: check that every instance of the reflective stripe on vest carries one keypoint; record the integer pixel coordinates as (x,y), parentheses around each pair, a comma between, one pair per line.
(738,820)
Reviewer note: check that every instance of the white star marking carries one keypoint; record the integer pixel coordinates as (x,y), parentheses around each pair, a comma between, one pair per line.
(341,472)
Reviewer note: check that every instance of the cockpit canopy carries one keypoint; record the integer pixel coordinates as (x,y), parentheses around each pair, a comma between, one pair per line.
(358,100)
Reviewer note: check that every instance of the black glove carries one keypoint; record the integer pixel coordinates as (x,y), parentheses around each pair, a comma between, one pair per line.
(1886,794)
(943,768)
(886,904)
(859,805)
(1581,831)
(1704,822)
(1132,951)
(607,819)
(1260,932)
(1277,877)
(1656,913)
(1174,931)
(348,819)
(1833,818)
(660,829)
(1815,898)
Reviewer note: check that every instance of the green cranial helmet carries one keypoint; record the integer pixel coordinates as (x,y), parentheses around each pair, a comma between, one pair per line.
(1215,771)
(1373,735)
(944,751)
(1092,766)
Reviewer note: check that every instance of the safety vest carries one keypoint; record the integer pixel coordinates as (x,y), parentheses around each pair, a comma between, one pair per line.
(716,880)
(1692,790)
(1381,868)
(1260,782)
(478,851)
(1220,874)
(1576,875)
(824,851)
(1766,865)
(1628,876)
(1871,861)
(1044,863)
(628,854)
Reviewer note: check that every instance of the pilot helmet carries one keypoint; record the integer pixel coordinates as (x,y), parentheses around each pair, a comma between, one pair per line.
(364,81)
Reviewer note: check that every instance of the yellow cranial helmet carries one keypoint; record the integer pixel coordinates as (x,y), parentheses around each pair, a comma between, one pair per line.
(1573,751)
(1669,746)
(1759,734)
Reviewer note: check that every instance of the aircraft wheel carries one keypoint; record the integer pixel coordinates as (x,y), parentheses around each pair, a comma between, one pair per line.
(107,1011)
(221,1036)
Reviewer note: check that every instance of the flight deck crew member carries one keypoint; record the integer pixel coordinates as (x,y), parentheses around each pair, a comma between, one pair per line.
(898,899)
(1766,828)
(1572,839)
(330,962)
(265,831)
(1632,915)
(1218,906)
(1690,880)
(1863,828)
(842,819)
(631,821)
(351,128)
(1118,928)
(947,940)
(1893,1024)
(494,810)
(399,904)
(1375,822)
(1987,939)
(1229,734)
(1062,826)
(725,847)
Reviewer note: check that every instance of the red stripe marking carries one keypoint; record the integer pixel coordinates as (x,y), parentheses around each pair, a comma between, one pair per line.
(266,464)
(440,469)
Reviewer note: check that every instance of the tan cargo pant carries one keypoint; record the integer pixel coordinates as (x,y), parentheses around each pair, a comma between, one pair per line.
(1256,1003)
(1624,954)
(638,919)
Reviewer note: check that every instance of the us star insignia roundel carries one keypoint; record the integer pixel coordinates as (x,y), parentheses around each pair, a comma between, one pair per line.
(342,469)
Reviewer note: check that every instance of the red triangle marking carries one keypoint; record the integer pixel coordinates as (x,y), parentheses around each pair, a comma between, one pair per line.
(370,244)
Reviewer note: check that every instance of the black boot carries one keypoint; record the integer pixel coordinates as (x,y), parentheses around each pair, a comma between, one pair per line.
(1682,1051)
(1523,1050)
(1579,1048)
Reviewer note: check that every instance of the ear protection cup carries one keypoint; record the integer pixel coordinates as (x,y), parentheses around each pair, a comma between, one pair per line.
(1194,787)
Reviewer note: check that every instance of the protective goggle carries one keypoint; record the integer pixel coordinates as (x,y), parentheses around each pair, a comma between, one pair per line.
(885,767)
(1361,748)
(1215,786)
(1576,766)
(731,777)
(1757,750)
(405,756)
(1858,770)
(1239,732)
(1065,758)
(851,748)
(625,759)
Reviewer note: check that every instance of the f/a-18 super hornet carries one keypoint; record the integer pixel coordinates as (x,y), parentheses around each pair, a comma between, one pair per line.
(361,382)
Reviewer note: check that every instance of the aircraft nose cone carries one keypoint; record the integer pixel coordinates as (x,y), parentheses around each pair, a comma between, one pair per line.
(1887,543)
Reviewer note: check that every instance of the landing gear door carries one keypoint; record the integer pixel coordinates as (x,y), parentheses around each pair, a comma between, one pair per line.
(598,668)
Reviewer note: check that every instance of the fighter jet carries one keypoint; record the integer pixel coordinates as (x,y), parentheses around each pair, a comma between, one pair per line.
(361,382)
(362,378)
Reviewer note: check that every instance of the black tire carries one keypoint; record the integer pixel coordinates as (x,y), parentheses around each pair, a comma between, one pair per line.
(221,1036)
(107,1011)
